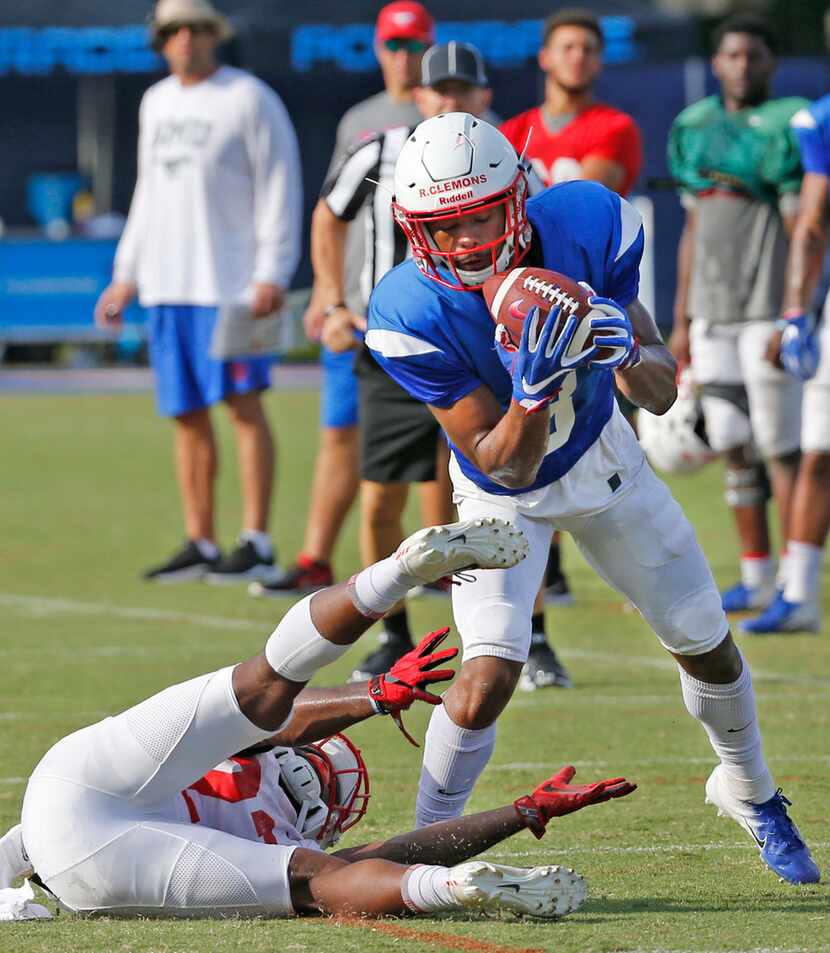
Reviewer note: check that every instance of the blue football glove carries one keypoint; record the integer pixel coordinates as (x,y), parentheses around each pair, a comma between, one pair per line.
(799,350)
(539,364)
(613,331)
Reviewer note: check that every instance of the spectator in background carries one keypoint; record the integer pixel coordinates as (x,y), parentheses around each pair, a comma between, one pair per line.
(737,164)
(214,221)
(571,136)
(400,441)
(804,351)
(404,29)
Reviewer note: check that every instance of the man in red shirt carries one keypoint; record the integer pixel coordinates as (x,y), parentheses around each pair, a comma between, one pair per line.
(571,135)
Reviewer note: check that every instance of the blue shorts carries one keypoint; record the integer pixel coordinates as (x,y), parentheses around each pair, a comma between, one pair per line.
(338,397)
(187,378)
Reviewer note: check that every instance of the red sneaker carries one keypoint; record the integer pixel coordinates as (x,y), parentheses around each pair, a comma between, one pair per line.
(305,576)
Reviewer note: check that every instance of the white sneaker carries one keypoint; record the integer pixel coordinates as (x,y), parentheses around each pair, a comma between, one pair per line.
(13,860)
(549,892)
(486,543)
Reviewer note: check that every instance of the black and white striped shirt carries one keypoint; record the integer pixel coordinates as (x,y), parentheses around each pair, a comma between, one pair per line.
(350,195)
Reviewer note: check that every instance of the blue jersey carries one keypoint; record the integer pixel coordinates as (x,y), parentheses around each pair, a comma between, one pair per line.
(437,342)
(812,127)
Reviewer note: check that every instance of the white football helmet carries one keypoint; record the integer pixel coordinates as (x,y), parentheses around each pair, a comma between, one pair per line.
(456,164)
(328,784)
(676,441)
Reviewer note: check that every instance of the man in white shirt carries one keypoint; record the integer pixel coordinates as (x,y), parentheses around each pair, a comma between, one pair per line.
(214,225)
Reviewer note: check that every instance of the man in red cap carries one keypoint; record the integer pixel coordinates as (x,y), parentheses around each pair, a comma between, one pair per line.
(403,31)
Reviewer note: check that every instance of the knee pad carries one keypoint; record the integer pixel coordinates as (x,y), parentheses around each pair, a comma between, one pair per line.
(747,487)
(726,414)
(695,624)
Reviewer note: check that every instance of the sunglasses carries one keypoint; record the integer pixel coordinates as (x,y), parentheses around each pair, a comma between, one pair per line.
(410,46)
(199,28)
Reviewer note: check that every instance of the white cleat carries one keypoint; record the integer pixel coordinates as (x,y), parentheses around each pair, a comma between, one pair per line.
(486,543)
(549,892)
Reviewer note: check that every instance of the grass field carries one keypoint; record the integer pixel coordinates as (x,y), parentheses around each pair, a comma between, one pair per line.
(87,499)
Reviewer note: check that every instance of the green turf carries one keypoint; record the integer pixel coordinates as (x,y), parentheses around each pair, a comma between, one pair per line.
(87,499)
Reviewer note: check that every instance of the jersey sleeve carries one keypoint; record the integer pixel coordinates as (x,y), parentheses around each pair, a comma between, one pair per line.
(618,141)
(346,189)
(812,142)
(626,251)
(426,371)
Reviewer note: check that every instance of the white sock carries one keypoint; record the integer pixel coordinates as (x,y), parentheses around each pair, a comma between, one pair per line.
(803,573)
(207,548)
(728,714)
(377,588)
(262,542)
(296,649)
(453,759)
(425,888)
(756,570)
(782,575)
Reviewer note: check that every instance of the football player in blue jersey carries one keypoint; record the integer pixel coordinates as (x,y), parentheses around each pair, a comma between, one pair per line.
(537,438)
(803,349)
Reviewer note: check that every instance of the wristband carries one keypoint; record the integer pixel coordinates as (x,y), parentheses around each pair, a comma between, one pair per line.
(530,815)
(329,309)
(375,689)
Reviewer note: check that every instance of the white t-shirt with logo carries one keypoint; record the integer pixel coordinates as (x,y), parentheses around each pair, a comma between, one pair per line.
(218,201)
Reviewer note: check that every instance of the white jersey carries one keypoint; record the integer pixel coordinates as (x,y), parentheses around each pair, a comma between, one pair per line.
(242,796)
(218,200)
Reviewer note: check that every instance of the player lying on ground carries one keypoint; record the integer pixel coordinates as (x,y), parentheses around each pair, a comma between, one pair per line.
(537,437)
(114,820)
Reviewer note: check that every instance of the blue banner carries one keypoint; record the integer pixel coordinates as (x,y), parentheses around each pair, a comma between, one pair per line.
(48,289)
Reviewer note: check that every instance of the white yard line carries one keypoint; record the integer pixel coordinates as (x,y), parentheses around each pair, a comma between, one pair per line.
(43,605)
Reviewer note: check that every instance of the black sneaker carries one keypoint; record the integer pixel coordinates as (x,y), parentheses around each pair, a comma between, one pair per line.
(186,564)
(244,564)
(382,659)
(542,668)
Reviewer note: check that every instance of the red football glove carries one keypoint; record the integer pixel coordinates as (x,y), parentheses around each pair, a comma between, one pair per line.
(395,690)
(557,796)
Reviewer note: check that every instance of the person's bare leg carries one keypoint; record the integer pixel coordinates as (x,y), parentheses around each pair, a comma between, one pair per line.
(256,455)
(783,473)
(333,490)
(750,519)
(381,522)
(323,884)
(810,521)
(196,468)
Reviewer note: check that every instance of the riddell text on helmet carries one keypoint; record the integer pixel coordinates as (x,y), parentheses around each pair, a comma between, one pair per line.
(453,185)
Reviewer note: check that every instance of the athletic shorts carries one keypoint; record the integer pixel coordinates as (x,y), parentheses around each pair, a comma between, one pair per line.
(338,396)
(629,528)
(398,434)
(815,422)
(729,365)
(100,824)
(187,377)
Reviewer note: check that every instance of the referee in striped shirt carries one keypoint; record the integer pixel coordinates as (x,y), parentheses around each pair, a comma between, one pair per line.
(400,442)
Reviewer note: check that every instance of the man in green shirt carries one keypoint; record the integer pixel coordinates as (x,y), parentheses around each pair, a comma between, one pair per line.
(737,165)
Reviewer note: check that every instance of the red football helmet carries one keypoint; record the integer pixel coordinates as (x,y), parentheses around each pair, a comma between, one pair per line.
(455,164)
(328,784)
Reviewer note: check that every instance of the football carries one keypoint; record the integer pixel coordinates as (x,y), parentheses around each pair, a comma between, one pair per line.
(511,295)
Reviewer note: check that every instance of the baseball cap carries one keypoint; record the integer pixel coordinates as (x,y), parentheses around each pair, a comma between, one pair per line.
(453,60)
(404,20)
